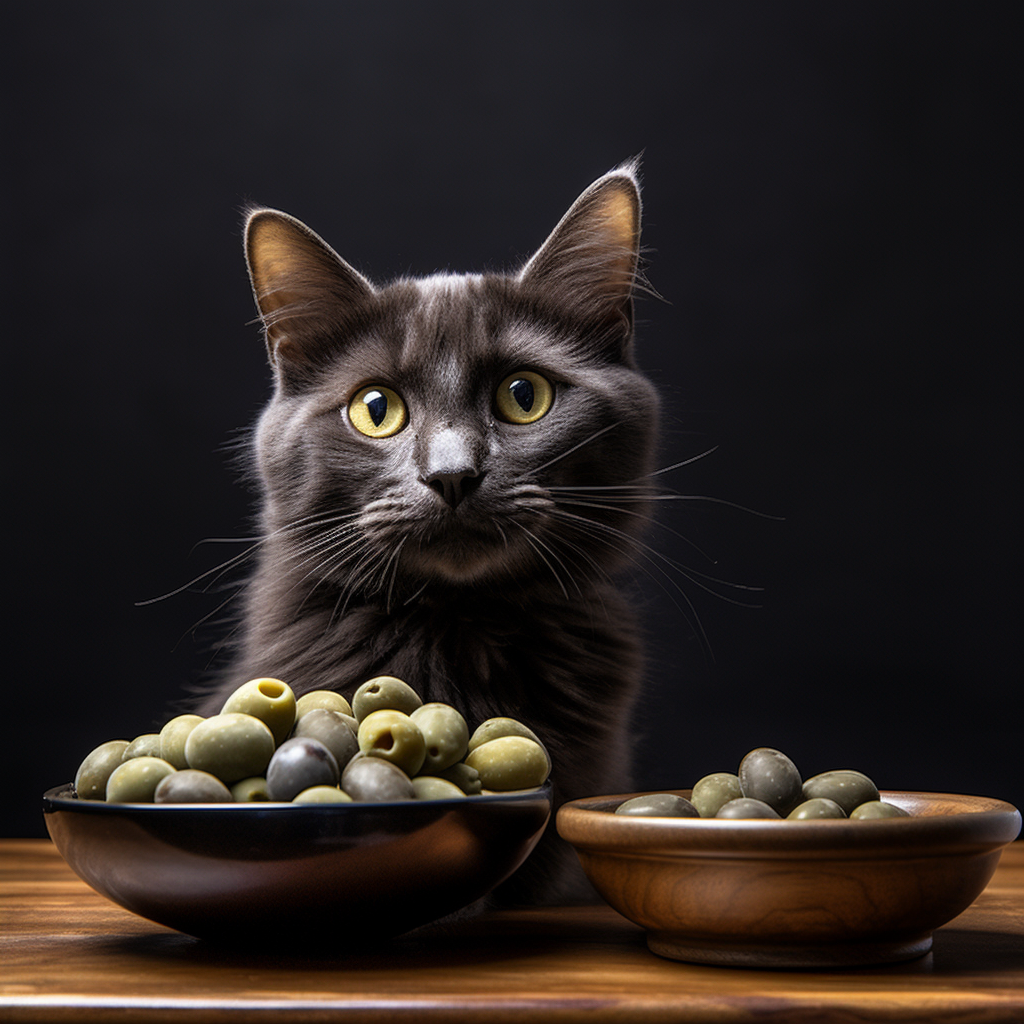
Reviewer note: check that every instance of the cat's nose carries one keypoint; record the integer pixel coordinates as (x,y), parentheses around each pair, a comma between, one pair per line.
(450,461)
(454,486)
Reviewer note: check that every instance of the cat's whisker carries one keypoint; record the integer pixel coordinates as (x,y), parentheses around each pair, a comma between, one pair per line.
(592,528)
(217,571)
(693,575)
(576,447)
(394,574)
(536,544)
(637,515)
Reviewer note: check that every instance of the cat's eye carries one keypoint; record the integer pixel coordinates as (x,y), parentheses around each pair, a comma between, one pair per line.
(377,411)
(523,397)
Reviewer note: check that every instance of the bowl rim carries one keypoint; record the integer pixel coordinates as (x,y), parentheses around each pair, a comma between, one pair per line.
(62,798)
(945,821)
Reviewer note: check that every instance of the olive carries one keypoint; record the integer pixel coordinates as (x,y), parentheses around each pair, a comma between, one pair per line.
(509,762)
(298,764)
(322,795)
(430,787)
(135,781)
(374,779)
(231,746)
(384,693)
(332,730)
(714,791)
(495,728)
(269,700)
(395,737)
(173,736)
(251,790)
(328,699)
(191,786)
(877,809)
(768,775)
(747,807)
(93,772)
(466,778)
(848,788)
(658,805)
(445,734)
(816,807)
(146,745)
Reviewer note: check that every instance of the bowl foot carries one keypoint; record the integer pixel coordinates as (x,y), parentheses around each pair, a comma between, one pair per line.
(784,956)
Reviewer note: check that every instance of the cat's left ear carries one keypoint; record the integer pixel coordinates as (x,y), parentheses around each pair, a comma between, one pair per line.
(589,263)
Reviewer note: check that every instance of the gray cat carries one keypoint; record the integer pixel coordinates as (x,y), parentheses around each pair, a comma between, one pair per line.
(453,472)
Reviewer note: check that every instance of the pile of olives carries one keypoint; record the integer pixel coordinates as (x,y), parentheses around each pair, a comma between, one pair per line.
(267,745)
(768,785)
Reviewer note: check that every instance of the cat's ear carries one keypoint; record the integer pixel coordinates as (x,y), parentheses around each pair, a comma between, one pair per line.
(304,290)
(589,263)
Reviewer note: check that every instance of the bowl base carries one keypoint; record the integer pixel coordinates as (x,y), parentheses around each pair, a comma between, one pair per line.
(784,956)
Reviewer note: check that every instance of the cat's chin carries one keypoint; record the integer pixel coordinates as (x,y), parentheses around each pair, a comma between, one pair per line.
(461,567)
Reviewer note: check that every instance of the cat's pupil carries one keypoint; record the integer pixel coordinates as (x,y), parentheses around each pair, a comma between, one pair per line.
(522,392)
(376,406)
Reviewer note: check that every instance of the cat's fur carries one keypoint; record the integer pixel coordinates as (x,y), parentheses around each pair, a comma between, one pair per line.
(474,558)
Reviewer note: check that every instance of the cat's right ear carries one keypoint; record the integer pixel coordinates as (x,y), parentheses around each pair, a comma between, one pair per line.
(304,290)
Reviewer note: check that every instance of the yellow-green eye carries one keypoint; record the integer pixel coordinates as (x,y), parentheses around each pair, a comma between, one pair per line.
(524,397)
(377,411)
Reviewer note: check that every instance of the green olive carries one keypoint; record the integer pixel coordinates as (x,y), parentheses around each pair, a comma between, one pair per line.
(374,779)
(395,737)
(93,772)
(384,693)
(495,728)
(510,762)
(466,778)
(327,699)
(332,730)
(847,788)
(322,795)
(173,736)
(816,807)
(658,805)
(269,700)
(251,790)
(877,809)
(231,746)
(146,745)
(135,781)
(190,786)
(768,775)
(430,787)
(445,734)
(747,807)
(714,791)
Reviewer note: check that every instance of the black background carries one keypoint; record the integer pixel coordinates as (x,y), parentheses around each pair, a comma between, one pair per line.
(831,197)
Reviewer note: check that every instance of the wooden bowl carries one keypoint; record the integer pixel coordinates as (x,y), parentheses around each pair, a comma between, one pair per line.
(324,874)
(792,894)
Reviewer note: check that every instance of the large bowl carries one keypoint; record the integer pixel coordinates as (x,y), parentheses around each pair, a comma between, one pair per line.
(329,871)
(795,894)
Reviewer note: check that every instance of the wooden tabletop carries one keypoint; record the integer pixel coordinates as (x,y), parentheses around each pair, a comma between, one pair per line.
(67,954)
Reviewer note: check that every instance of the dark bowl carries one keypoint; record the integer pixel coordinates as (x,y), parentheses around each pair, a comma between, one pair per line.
(327,871)
(825,893)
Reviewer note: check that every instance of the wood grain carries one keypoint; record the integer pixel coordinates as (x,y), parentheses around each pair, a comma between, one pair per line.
(67,954)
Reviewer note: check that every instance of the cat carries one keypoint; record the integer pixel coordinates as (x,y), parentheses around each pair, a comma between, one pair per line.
(453,472)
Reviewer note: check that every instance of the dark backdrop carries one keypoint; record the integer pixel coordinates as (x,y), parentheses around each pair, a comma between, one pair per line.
(830,215)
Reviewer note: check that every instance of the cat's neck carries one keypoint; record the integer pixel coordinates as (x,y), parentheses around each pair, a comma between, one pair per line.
(495,642)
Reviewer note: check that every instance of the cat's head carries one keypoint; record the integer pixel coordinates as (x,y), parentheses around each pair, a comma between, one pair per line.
(455,428)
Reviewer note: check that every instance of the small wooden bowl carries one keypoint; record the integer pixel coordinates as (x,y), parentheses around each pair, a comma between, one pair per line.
(792,894)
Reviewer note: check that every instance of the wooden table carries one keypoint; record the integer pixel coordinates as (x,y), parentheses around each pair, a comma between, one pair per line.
(67,954)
